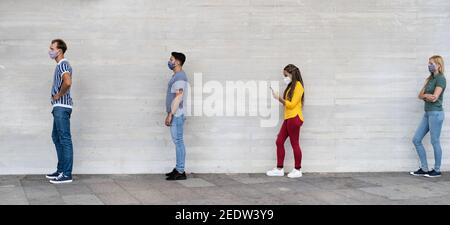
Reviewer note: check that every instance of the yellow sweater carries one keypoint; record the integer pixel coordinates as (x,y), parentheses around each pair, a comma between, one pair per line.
(294,107)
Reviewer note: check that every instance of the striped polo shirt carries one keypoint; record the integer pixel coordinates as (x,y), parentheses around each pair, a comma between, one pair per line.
(62,68)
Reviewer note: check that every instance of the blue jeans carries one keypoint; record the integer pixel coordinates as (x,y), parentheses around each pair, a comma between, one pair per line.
(62,139)
(432,121)
(176,130)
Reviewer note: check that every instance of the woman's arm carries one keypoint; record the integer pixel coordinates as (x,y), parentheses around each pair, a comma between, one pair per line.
(296,97)
(422,94)
(437,92)
(426,97)
(277,96)
(281,100)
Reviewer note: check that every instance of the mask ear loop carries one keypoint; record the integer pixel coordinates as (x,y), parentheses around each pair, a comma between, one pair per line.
(57,53)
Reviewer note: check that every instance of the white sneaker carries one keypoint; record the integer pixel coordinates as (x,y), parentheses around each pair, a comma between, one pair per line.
(275,172)
(295,173)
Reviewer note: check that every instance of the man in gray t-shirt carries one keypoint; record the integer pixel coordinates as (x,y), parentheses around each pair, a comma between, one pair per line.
(175,108)
(177,82)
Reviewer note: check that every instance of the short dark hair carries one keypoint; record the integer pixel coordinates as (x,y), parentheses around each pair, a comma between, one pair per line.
(179,56)
(60,44)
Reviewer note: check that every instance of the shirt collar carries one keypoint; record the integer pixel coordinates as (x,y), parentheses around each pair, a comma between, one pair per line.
(62,60)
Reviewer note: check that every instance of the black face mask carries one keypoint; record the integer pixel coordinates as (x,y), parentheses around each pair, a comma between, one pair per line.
(171,65)
(431,68)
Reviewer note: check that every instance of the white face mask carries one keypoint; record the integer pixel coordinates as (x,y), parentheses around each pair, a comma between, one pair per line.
(287,80)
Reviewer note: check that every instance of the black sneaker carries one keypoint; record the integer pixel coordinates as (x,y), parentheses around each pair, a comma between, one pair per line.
(433,173)
(171,173)
(61,179)
(177,176)
(419,173)
(52,176)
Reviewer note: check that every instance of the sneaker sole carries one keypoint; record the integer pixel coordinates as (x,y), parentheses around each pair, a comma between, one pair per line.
(432,176)
(61,182)
(418,175)
(277,175)
(176,179)
(48,177)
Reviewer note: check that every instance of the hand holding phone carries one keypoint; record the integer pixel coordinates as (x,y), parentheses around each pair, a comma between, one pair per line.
(274,94)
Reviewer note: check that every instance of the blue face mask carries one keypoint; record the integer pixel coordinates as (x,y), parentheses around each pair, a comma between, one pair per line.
(171,65)
(431,68)
(53,54)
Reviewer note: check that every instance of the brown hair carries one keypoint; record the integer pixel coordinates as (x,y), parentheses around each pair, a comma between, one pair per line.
(60,44)
(296,76)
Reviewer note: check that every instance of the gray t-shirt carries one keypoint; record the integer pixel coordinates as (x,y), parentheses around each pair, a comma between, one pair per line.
(178,81)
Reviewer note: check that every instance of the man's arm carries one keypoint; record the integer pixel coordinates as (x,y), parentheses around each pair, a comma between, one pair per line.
(177,100)
(67,83)
(174,106)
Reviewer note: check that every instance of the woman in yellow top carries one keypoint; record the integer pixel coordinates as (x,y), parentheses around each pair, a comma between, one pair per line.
(292,100)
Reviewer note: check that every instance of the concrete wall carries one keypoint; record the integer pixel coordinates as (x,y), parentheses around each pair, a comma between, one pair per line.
(363,63)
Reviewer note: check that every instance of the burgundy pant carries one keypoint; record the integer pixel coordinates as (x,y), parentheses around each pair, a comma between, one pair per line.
(291,129)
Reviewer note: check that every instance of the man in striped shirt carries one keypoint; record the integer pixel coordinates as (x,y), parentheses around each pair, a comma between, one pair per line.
(61,101)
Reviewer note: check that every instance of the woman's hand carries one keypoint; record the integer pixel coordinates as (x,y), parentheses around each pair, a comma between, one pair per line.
(429,97)
(275,95)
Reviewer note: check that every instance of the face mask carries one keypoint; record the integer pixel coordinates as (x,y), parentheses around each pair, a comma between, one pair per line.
(171,65)
(287,80)
(53,54)
(431,68)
